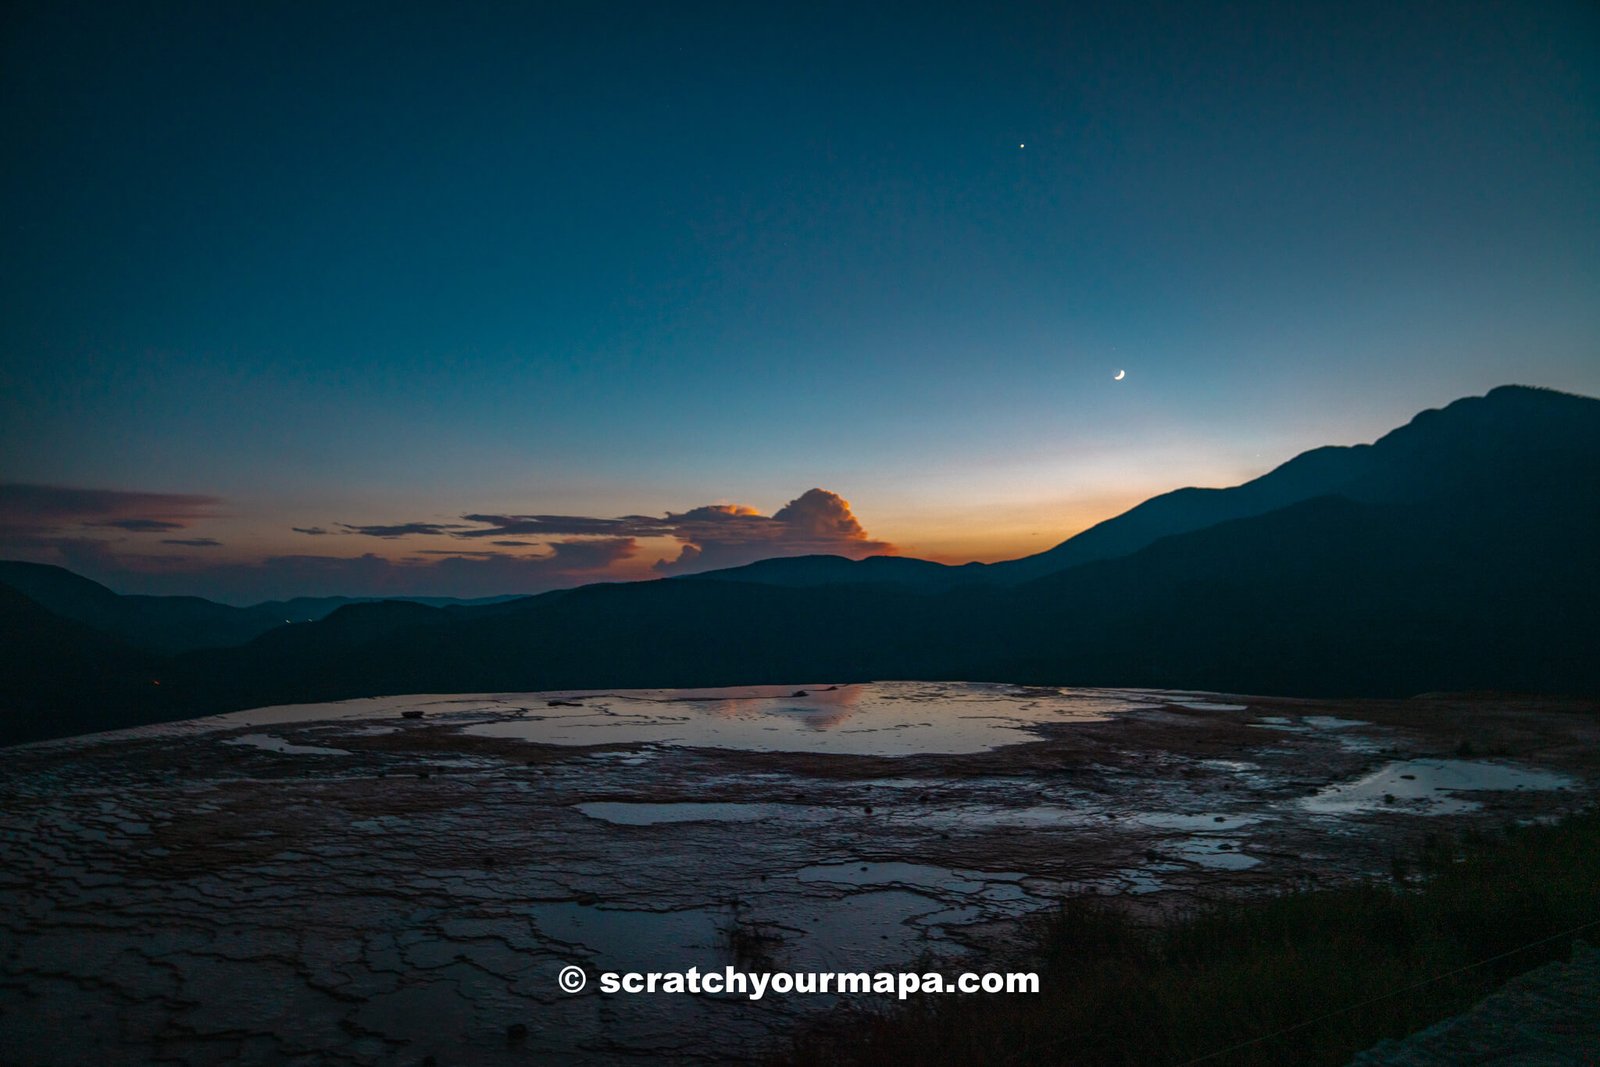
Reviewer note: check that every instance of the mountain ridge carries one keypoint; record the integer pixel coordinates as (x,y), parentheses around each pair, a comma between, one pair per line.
(1456,552)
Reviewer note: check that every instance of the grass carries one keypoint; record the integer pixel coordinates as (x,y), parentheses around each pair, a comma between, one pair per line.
(750,944)
(1265,982)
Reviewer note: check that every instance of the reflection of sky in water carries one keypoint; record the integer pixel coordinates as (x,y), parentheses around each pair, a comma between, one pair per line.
(873,718)
(278,744)
(881,718)
(639,813)
(1428,787)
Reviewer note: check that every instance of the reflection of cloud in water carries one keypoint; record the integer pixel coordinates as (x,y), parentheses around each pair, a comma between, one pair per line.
(819,709)
(875,718)
(870,718)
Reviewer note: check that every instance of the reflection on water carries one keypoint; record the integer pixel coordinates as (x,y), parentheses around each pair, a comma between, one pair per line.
(633,813)
(870,718)
(278,744)
(416,897)
(1428,787)
(878,718)
(817,709)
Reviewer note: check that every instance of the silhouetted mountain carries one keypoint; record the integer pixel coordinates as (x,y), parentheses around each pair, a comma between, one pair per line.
(360,622)
(157,623)
(59,677)
(1472,441)
(838,570)
(174,623)
(1331,596)
(312,608)
(1458,552)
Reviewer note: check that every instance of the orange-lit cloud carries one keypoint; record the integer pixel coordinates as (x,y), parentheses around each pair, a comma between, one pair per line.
(481,555)
(710,536)
(817,521)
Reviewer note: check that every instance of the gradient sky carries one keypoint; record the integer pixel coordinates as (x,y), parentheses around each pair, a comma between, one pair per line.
(336,267)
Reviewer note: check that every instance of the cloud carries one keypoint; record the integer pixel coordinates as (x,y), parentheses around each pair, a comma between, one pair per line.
(27,509)
(596,555)
(484,554)
(86,555)
(59,524)
(586,555)
(404,529)
(710,536)
(722,535)
(473,574)
(823,515)
(566,526)
(140,525)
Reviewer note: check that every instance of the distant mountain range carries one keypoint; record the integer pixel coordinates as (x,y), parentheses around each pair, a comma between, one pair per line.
(175,623)
(1456,552)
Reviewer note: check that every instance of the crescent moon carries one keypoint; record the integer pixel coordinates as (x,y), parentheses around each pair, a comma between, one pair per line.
(1121,374)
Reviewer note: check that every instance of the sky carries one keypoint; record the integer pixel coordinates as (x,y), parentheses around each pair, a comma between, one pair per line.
(478,298)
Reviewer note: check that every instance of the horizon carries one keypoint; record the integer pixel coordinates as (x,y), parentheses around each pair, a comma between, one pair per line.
(1111,459)
(397,301)
(20,503)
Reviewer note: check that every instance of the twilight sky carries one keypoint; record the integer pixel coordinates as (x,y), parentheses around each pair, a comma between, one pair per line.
(461,299)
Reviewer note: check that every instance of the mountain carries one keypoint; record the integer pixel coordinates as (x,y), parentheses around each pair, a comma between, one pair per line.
(156,623)
(815,570)
(1457,552)
(172,624)
(1326,597)
(1471,442)
(61,677)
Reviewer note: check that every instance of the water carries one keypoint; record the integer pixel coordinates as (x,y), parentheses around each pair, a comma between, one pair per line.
(624,813)
(358,908)
(1428,787)
(278,744)
(878,719)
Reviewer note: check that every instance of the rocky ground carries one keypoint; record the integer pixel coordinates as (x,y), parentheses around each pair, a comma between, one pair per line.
(394,880)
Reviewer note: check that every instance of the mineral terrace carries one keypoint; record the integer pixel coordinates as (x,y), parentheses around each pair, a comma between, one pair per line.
(389,880)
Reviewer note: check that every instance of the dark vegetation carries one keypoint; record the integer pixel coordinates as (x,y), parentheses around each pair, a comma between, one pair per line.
(1456,553)
(1310,977)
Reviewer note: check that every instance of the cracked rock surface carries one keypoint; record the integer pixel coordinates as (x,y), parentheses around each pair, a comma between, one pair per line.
(383,881)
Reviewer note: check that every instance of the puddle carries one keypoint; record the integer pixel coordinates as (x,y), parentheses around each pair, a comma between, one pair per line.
(879,718)
(1428,787)
(1318,724)
(1306,724)
(449,880)
(1217,854)
(625,757)
(870,930)
(921,875)
(1041,817)
(628,813)
(1210,822)
(1135,881)
(631,938)
(873,718)
(278,744)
